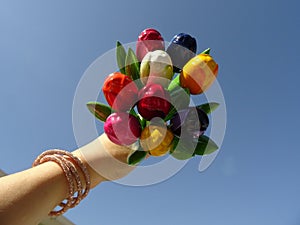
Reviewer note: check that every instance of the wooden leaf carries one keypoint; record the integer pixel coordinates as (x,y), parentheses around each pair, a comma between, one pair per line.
(132,66)
(208,107)
(99,110)
(205,146)
(121,56)
(136,156)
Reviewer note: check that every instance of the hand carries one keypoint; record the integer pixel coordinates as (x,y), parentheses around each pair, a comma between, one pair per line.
(105,160)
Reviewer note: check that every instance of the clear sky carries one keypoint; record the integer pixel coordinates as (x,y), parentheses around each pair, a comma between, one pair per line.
(45,47)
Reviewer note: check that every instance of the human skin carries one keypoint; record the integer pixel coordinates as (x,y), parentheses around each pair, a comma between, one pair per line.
(28,196)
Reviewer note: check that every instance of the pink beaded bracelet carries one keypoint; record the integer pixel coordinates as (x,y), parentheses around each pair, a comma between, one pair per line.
(69,164)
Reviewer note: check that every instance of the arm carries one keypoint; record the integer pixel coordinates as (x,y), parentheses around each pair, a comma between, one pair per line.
(45,186)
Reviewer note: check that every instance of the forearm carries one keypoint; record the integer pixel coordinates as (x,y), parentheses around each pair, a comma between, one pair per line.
(28,196)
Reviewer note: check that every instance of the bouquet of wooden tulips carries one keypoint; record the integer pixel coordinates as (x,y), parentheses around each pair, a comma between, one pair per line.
(149,98)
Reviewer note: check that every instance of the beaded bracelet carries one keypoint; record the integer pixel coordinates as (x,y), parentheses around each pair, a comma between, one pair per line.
(69,164)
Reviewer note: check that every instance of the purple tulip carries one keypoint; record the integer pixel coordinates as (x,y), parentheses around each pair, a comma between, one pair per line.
(122,128)
(192,122)
(182,48)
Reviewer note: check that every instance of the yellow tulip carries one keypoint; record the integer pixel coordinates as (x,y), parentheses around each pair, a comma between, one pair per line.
(156,140)
(199,73)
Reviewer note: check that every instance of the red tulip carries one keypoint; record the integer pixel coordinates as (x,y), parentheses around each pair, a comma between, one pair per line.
(154,101)
(149,40)
(120,91)
(122,128)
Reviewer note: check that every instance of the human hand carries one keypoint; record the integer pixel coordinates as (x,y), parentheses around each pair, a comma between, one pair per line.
(105,160)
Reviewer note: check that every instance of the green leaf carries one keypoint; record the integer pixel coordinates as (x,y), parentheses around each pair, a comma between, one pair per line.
(182,150)
(100,111)
(133,112)
(180,97)
(205,146)
(174,83)
(174,143)
(206,51)
(170,114)
(121,56)
(143,122)
(208,107)
(136,156)
(132,66)
(139,117)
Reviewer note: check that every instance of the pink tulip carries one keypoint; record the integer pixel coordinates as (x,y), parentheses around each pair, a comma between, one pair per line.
(122,128)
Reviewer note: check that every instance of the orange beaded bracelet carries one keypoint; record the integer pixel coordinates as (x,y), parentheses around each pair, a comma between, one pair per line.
(70,165)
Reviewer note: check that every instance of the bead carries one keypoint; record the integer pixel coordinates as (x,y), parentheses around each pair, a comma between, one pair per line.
(69,164)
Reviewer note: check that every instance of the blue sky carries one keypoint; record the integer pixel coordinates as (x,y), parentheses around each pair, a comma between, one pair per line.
(45,47)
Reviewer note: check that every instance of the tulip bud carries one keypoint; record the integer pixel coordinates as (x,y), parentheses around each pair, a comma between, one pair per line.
(148,40)
(120,91)
(156,67)
(199,73)
(182,48)
(156,139)
(122,128)
(154,101)
(191,122)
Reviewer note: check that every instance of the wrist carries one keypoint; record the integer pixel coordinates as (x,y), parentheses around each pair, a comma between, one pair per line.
(94,176)
(104,159)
